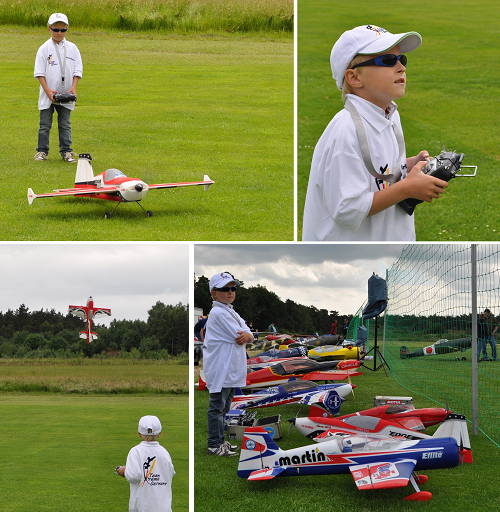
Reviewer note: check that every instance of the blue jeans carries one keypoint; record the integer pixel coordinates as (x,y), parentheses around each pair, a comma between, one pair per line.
(217,410)
(491,340)
(481,347)
(64,125)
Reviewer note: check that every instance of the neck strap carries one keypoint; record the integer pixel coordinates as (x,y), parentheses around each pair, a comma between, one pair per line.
(62,65)
(365,148)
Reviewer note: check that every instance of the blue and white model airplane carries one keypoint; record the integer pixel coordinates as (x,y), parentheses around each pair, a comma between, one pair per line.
(375,461)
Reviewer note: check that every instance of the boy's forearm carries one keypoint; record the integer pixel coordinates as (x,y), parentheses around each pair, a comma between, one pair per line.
(388,197)
(44,85)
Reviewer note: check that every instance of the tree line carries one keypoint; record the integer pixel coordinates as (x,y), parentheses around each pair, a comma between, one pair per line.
(261,307)
(51,334)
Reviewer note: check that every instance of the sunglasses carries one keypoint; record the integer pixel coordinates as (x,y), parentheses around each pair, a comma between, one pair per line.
(388,60)
(58,29)
(226,289)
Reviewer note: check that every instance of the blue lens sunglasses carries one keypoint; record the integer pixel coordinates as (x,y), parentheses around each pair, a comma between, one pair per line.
(387,60)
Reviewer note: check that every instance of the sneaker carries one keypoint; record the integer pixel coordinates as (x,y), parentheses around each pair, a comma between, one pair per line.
(40,156)
(68,157)
(221,451)
(229,446)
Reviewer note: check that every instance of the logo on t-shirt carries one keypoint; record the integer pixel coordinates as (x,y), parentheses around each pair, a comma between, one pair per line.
(381,184)
(151,478)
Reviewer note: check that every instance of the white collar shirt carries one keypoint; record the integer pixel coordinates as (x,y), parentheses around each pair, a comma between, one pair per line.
(47,65)
(224,361)
(340,190)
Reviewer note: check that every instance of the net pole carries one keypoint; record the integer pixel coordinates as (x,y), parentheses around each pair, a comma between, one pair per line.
(473,255)
(385,314)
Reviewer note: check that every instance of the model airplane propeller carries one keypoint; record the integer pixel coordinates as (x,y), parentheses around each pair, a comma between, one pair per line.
(111,185)
(88,313)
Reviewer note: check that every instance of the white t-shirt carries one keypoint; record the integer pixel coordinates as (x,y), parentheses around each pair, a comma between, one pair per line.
(224,361)
(47,65)
(340,190)
(150,472)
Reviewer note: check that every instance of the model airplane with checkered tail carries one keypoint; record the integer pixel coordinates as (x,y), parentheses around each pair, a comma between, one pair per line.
(110,185)
(374,461)
(89,313)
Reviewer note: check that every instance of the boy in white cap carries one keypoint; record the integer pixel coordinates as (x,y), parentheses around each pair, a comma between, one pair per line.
(224,359)
(356,179)
(149,470)
(58,67)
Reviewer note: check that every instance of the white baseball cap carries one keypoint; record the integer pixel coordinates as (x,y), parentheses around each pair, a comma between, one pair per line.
(367,40)
(149,426)
(57,16)
(220,280)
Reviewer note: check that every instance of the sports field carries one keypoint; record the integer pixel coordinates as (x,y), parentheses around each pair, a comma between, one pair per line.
(451,99)
(163,108)
(59,450)
(466,487)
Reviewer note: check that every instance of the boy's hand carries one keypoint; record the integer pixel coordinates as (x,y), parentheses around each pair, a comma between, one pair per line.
(422,186)
(244,337)
(50,94)
(121,470)
(73,90)
(421,157)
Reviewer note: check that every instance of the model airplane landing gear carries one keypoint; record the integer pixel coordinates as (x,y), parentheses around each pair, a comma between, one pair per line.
(148,213)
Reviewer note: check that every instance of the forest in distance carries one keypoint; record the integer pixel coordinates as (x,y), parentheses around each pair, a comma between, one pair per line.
(48,334)
(262,307)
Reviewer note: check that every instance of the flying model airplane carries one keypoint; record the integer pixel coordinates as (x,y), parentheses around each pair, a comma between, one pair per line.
(296,368)
(110,185)
(330,395)
(440,347)
(375,461)
(88,313)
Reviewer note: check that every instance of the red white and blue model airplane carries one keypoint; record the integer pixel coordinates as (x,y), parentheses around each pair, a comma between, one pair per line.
(110,185)
(330,396)
(375,461)
(88,313)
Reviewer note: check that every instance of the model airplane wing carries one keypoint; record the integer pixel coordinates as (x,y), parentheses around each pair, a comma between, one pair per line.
(206,182)
(383,475)
(102,312)
(331,375)
(77,311)
(72,192)
(266,474)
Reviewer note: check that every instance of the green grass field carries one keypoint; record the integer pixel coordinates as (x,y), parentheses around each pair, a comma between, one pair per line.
(451,99)
(163,108)
(59,450)
(466,487)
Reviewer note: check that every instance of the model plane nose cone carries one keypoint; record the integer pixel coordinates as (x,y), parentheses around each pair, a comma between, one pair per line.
(139,187)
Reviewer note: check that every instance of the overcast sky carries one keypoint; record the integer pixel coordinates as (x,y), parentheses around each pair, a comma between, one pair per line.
(127,278)
(327,276)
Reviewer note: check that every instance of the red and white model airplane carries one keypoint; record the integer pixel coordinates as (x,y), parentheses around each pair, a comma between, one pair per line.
(88,313)
(110,185)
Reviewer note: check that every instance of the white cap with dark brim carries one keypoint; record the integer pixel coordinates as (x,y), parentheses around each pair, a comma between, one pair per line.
(367,40)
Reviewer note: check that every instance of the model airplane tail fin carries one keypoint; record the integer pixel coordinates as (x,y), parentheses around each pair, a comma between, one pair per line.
(206,178)
(258,452)
(329,400)
(31,196)
(455,425)
(84,171)
(318,412)
(202,383)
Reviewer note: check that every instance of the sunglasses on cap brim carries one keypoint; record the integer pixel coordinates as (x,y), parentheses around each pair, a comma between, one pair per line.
(388,60)
(225,289)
